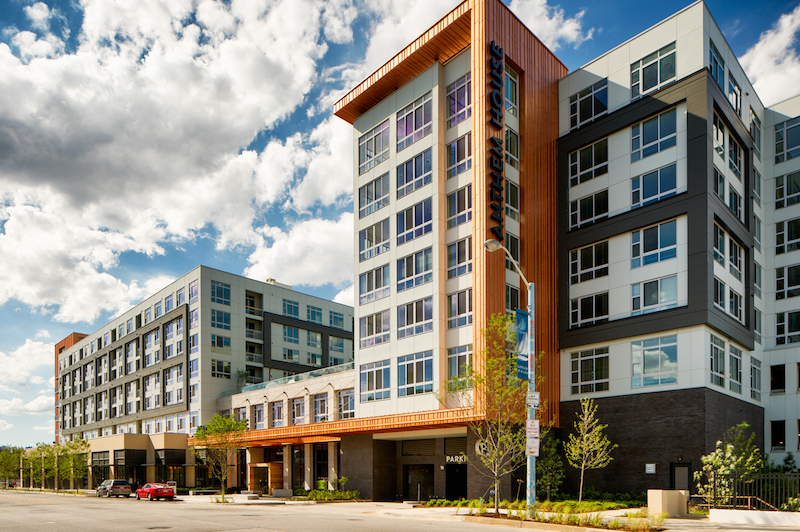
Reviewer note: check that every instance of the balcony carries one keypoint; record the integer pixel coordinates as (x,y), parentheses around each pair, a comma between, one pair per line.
(258,358)
(253,311)
(254,334)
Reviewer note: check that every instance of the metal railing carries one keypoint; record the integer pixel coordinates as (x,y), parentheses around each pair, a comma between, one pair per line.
(295,378)
(254,311)
(254,334)
(761,491)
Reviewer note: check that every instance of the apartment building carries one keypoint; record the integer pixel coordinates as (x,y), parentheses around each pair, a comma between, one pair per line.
(454,143)
(675,252)
(139,386)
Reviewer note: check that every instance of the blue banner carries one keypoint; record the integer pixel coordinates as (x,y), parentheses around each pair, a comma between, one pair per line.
(522,344)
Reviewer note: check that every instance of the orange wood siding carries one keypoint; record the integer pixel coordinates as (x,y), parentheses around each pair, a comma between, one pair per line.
(539,73)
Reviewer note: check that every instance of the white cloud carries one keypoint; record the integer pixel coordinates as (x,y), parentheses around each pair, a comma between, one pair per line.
(49,426)
(312,253)
(347,296)
(41,405)
(39,15)
(19,365)
(5,425)
(550,23)
(42,333)
(36,379)
(772,64)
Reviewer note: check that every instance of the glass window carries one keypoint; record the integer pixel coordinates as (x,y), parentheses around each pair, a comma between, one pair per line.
(735,369)
(719,245)
(777,379)
(735,157)
(414,270)
(588,263)
(337,320)
(168,303)
(459,155)
(512,148)
(375,381)
(336,344)
(299,411)
(415,374)
(194,318)
(373,240)
(459,309)
(373,285)
(512,245)
(374,329)
(735,305)
(373,196)
(221,369)
(313,314)
(654,362)
(459,100)
(787,282)
(414,174)
(735,258)
(588,210)
(589,162)
(654,244)
(512,201)
(148,315)
(320,407)
(757,274)
(194,368)
(194,343)
(459,207)
(719,293)
(718,134)
(653,72)
(787,330)
(717,361)
(459,359)
(787,140)
(414,222)
(734,95)
(220,319)
(719,184)
(291,334)
(735,202)
(778,435)
(589,370)
(512,298)
(179,297)
(347,406)
(654,135)
(588,104)
(756,187)
(414,122)
(220,344)
(755,132)
(787,190)
(220,293)
(652,296)
(193,291)
(291,308)
(755,379)
(589,310)
(291,355)
(415,318)
(757,233)
(787,236)
(653,186)
(373,147)
(716,66)
(459,259)
(512,91)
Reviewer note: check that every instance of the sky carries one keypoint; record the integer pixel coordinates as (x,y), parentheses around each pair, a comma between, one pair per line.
(141,138)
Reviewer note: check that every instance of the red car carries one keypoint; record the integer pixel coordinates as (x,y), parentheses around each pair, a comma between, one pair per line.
(154,492)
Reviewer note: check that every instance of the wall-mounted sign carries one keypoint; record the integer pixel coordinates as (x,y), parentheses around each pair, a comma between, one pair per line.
(455,459)
(650,469)
(496,151)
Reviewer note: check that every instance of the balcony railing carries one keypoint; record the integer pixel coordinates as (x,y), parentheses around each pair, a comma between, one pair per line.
(253,311)
(350,366)
(257,358)
(255,335)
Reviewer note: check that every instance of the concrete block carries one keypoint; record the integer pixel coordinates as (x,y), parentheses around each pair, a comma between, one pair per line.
(670,502)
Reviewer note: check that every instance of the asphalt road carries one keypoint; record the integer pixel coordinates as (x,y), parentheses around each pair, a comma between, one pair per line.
(35,512)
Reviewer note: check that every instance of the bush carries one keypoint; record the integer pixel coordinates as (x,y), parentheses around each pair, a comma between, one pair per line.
(299,492)
(335,495)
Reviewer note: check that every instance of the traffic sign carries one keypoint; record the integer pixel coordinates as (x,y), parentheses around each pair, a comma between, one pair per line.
(532,400)
(532,428)
(532,447)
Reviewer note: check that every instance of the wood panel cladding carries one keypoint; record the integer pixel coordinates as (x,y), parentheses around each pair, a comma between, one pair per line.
(539,72)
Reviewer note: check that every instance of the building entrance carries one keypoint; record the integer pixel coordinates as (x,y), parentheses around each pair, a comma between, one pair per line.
(456,481)
(680,477)
(418,483)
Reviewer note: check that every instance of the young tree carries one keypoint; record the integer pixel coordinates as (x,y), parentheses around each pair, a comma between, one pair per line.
(746,456)
(73,461)
(500,396)
(588,448)
(734,454)
(549,468)
(9,463)
(40,463)
(216,443)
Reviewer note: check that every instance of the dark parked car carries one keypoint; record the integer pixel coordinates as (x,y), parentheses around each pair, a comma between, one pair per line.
(115,488)
(154,492)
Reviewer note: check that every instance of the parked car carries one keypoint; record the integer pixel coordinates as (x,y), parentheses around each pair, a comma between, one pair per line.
(154,492)
(116,488)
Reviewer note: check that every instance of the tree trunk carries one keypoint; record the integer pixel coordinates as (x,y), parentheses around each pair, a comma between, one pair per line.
(580,492)
(497,497)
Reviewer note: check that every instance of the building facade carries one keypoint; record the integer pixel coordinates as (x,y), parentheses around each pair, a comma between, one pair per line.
(674,309)
(156,371)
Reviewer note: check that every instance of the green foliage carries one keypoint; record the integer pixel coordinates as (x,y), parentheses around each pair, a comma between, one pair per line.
(10,462)
(588,448)
(791,505)
(734,454)
(549,469)
(216,443)
(342,481)
(331,495)
(300,492)
(789,465)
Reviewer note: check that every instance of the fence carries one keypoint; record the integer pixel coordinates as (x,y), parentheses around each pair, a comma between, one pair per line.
(763,491)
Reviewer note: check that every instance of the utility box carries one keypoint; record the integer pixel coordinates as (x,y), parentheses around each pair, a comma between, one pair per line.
(670,502)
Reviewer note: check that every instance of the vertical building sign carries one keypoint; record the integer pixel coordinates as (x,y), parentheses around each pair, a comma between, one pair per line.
(496,151)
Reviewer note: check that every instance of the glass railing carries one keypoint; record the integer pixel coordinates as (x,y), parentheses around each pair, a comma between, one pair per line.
(252,333)
(350,366)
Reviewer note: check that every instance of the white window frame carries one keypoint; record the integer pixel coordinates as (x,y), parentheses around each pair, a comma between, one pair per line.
(459,207)
(415,173)
(415,121)
(577,318)
(584,264)
(373,196)
(575,211)
(667,136)
(459,99)
(588,162)
(375,381)
(415,374)
(589,371)
(664,175)
(459,309)
(459,258)
(654,362)
(665,249)
(639,291)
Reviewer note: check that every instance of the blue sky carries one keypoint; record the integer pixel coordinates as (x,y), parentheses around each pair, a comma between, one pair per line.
(139,139)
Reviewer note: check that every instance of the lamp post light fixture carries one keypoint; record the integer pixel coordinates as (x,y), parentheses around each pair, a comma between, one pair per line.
(493,245)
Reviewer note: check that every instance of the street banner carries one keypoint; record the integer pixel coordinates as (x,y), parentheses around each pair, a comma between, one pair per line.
(522,344)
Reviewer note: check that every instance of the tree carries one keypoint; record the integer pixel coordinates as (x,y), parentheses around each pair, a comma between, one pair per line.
(549,468)
(500,395)
(40,463)
(72,460)
(735,454)
(217,442)
(588,448)
(9,463)
(746,456)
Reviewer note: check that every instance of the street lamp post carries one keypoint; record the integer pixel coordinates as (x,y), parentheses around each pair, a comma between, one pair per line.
(492,245)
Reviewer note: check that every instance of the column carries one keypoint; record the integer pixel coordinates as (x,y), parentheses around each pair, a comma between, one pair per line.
(308,465)
(333,466)
(287,467)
